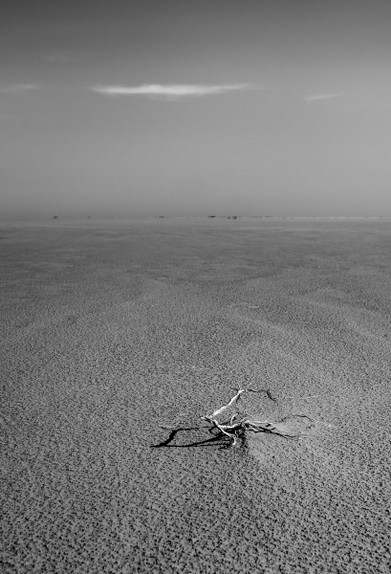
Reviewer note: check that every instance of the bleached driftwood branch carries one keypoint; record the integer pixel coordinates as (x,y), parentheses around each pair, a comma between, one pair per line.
(238,425)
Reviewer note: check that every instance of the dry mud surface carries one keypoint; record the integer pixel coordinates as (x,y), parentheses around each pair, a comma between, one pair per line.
(112,331)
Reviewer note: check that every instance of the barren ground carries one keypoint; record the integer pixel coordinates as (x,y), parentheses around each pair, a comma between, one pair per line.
(113,330)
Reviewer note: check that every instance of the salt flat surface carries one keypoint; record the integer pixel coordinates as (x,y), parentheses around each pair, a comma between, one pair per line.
(111,331)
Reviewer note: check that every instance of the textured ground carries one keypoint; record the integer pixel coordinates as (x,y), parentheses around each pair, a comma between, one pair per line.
(110,330)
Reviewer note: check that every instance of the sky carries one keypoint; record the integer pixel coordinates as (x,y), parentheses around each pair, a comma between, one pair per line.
(182,107)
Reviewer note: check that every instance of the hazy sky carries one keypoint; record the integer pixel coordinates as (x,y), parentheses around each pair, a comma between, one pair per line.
(279,107)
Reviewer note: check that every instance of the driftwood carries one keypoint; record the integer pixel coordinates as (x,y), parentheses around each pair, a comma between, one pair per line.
(238,425)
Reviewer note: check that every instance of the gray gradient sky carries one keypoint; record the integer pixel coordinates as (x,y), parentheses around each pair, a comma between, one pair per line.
(273,107)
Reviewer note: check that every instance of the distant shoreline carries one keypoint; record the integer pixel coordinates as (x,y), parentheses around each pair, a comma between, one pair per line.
(120,218)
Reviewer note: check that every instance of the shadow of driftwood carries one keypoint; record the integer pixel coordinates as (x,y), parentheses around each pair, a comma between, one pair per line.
(218,439)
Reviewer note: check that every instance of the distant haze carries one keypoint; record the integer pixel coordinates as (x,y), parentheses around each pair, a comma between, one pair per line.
(233,107)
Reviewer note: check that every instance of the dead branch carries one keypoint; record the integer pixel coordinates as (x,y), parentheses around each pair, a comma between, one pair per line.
(237,427)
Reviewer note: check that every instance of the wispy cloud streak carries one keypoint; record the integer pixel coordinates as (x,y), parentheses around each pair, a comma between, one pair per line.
(318,97)
(171,91)
(15,89)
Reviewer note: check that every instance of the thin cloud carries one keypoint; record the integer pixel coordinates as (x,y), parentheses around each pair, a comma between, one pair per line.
(318,97)
(171,91)
(15,89)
